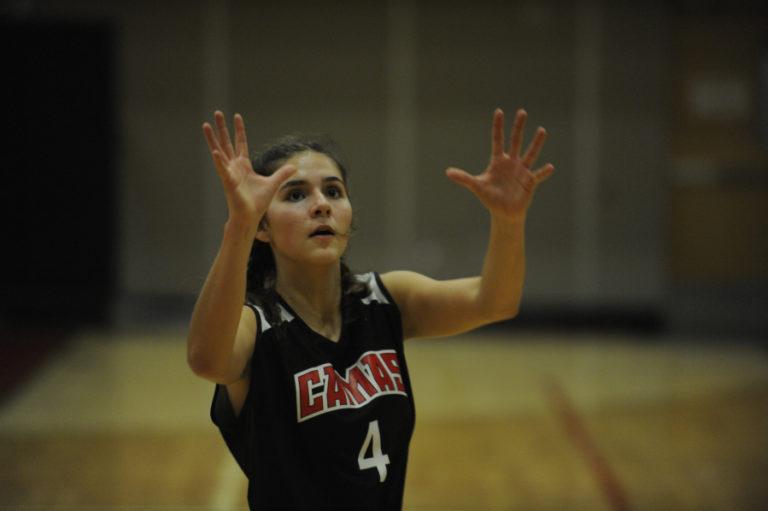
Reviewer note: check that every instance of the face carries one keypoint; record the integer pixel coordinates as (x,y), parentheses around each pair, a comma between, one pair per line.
(309,219)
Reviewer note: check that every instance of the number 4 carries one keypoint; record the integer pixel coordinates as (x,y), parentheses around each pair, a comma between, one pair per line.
(377,459)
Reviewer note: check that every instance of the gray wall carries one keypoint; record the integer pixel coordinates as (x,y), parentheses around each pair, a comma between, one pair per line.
(407,89)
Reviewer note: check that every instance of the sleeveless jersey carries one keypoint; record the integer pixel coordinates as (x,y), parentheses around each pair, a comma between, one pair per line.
(325,425)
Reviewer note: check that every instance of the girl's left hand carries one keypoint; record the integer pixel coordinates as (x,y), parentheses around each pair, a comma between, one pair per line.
(506,187)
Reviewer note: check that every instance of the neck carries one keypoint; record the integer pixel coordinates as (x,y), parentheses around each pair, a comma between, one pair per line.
(315,296)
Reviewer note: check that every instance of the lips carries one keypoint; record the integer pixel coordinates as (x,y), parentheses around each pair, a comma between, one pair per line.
(323,230)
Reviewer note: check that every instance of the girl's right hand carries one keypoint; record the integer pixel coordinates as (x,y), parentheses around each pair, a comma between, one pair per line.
(248,193)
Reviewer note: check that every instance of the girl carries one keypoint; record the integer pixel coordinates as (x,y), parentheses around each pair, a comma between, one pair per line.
(313,396)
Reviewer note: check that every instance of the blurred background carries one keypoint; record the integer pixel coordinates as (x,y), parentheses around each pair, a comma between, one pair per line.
(653,231)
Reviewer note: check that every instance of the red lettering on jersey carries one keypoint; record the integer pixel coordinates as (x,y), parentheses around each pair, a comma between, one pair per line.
(390,359)
(322,389)
(309,402)
(356,379)
(334,395)
(379,371)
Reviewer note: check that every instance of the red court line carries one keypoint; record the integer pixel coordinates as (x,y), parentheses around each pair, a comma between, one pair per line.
(582,440)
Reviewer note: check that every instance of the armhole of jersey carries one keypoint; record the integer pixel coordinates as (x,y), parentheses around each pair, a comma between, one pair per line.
(377,287)
(261,321)
(222,410)
(381,288)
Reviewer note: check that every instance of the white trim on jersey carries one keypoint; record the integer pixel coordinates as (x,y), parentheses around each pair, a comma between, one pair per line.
(376,295)
(262,319)
(285,315)
(265,325)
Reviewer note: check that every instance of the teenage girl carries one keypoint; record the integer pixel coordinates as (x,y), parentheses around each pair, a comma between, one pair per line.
(313,396)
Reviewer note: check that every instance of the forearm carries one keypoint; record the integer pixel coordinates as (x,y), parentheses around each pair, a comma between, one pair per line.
(434,308)
(501,283)
(216,316)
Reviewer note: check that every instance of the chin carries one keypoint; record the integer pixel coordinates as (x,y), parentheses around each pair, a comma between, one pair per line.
(324,257)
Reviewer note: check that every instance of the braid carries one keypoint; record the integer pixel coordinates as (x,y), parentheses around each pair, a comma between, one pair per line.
(260,281)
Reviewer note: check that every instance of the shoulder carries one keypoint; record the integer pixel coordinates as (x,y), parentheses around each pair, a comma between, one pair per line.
(434,308)
(402,284)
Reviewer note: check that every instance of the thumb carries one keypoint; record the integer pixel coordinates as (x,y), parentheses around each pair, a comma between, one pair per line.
(282,174)
(461,177)
(543,173)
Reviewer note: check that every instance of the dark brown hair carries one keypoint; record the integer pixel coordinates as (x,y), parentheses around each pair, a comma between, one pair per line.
(262,271)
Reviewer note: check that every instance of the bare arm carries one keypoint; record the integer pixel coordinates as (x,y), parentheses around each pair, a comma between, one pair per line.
(222,331)
(432,308)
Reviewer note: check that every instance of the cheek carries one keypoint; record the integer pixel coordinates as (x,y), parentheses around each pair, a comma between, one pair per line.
(284,211)
(345,216)
(281,221)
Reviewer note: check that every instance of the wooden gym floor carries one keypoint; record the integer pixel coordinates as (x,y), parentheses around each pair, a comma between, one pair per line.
(505,421)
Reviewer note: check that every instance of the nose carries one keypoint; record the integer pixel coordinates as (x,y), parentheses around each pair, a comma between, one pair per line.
(320,206)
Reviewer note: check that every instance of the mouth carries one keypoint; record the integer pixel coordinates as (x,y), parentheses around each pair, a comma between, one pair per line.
(323,230)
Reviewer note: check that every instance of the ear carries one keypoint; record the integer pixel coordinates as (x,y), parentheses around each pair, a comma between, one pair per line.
(262,232)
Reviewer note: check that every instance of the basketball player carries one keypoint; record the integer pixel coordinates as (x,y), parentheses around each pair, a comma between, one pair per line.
(313,395)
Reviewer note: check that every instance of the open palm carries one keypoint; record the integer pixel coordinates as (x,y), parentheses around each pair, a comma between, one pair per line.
(248,193)
(506,186)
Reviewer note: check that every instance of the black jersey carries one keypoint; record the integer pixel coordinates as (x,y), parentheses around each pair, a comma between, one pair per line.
(325,425)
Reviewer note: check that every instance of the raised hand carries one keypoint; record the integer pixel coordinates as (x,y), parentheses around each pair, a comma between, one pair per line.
(248,194)
(506,186)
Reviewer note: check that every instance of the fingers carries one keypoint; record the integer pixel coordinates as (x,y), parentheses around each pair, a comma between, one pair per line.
(241,143)
(221,167)
(210,137)
(225,143)
(497,134)
(219,140)
(534,148)
(219,160)
(516,138)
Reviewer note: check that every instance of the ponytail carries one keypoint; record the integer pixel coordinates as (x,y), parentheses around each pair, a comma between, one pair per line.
(260,280)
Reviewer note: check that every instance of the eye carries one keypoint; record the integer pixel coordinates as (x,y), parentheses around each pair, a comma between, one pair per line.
(294,195)
(334,192)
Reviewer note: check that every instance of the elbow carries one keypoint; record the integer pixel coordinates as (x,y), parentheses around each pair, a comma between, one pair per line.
(495,307)
(201,365)
(505,313)
(489,316)
(197,364)
(509,313)
(206,366)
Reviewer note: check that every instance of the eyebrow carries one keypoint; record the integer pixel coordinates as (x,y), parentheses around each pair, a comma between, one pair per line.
(301,182)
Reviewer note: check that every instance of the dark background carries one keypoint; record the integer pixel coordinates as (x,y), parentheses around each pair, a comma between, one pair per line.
(657,218)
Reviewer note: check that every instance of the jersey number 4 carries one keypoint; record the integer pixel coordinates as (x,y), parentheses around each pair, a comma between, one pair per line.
(377,459)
